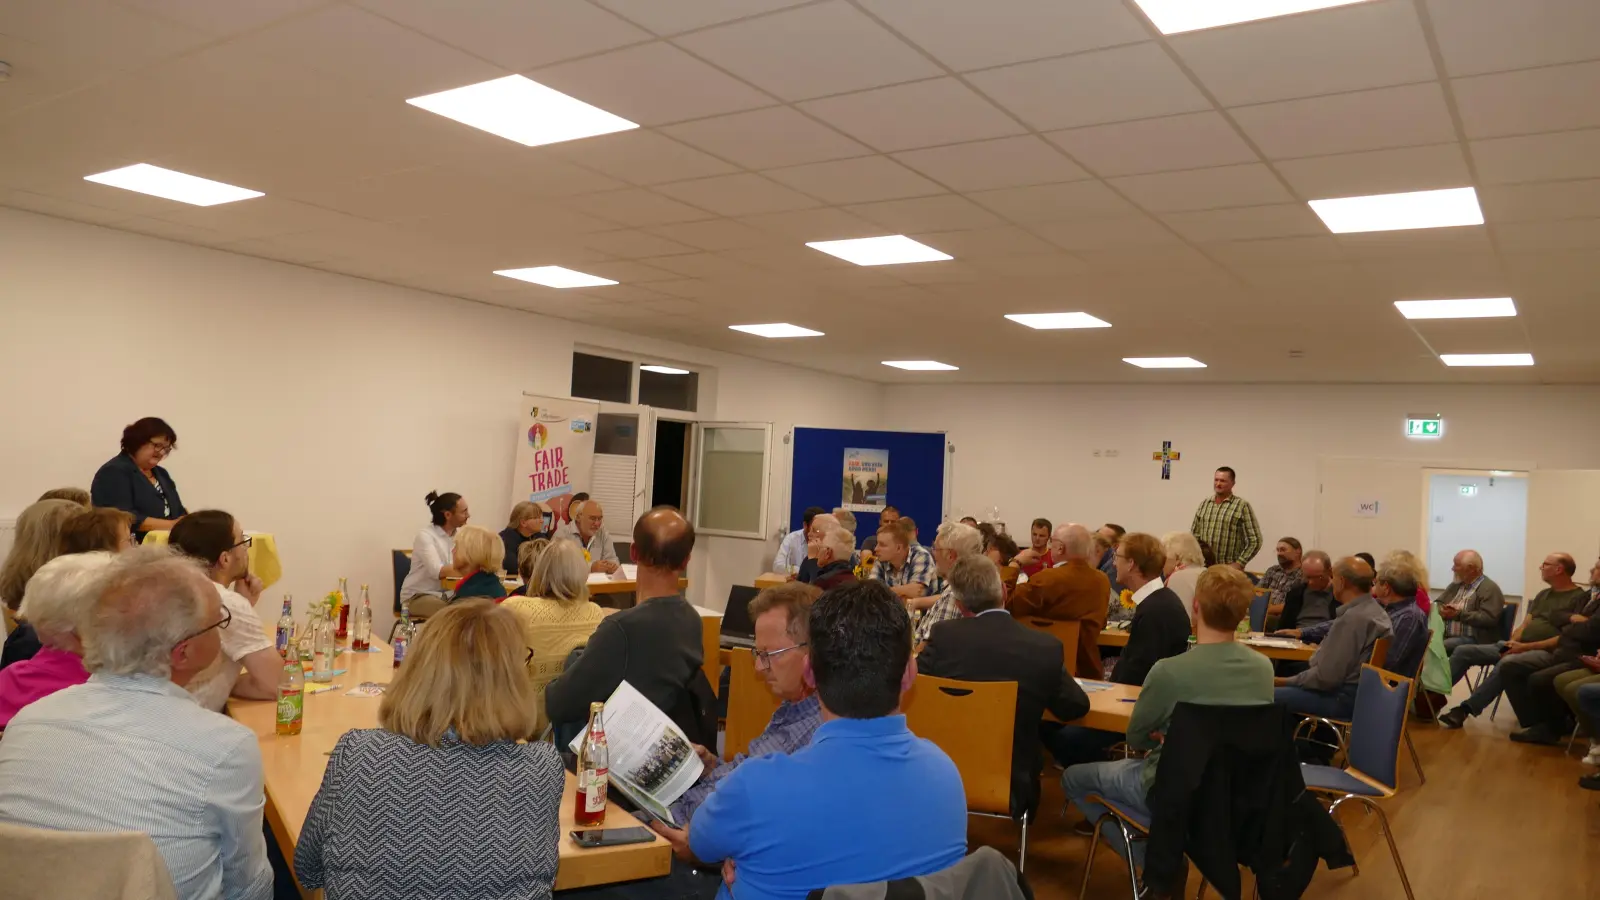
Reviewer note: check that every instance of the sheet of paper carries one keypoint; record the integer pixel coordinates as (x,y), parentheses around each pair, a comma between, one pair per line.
(599,578)
(1092,687)
(628,572)
(646,747)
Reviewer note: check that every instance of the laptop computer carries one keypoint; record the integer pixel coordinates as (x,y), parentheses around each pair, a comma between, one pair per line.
(737,629)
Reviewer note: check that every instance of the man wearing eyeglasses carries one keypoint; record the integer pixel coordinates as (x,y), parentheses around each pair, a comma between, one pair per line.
(215,539)
(129,750)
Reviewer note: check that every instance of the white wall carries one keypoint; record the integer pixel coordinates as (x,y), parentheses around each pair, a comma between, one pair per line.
(1030,448)
(316,406)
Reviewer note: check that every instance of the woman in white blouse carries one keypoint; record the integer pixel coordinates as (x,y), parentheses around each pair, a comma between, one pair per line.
(433,554)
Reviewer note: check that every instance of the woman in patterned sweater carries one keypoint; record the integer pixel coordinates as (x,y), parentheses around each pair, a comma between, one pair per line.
(442,801)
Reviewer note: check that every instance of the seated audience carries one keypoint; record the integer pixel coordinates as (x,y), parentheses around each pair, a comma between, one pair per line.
(36,541)
(1310,602)
(1000,548)
(1110,534)
(481,809)
(1532,644)
(1471,608)
(527,557)
(908,526)
(950,544)
(1368,558)
(556,616)
(1070,590)
(160,764)
(992,646)
(889,516)
(792,549)
(215,540)
(97,529)
(1395,587)
(76,495)
(1587,704)
(56,605)
(1037,557)
(968,520)
(906,569)
(1185,562)
(654,646)
(821,524)
(834,548)
(867,800)
(1281,577)
(1567,687)
(588,528)
(1533,693)
(526,523)
(1327,688)
(433,554)
(478,555)
(1217,671)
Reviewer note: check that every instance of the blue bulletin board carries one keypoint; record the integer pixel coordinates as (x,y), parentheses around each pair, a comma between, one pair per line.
(916,474)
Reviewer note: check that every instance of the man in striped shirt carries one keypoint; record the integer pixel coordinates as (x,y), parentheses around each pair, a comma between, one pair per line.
(1227,523)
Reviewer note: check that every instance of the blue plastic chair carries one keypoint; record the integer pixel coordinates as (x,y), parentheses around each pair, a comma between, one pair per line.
(1258,611)
(1377,731)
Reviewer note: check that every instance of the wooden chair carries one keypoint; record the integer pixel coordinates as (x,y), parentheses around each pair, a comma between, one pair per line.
(710,645)
(1065,632)
(972,722)
(750,703)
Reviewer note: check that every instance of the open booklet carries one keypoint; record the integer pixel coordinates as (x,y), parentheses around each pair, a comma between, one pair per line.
(652,763)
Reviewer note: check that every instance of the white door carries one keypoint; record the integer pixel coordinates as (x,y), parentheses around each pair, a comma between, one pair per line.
(1369,504)
(1563,516)
(1483,512)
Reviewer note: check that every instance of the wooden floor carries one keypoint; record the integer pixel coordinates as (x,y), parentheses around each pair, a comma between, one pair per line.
(1496,820)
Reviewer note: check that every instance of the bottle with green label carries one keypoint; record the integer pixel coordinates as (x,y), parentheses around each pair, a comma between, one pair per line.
(291,694)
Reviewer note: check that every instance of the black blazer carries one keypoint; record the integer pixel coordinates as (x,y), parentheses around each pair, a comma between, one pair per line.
(1160,628)
(656,647)
(120,485)
(995,647)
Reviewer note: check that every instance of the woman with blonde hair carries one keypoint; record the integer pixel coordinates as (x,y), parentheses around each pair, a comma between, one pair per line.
(58,599)
(1185,563)
(1418,570)
(557,616)
(478,555)
(526,524)
(38,540)
(527,556)
(453,725)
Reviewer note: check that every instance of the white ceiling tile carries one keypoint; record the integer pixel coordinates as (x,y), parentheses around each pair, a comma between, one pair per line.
(966,35)
(721,267)
(994,243)
(1569,234)
(637,207)
(1036,272)
(1114,85)
(1492,35)
(1275,251)
(857,180)
(513,33)
(1102,234)
(641,157)
(222,18)
(1558,98)
(1247,223)
(1406,116)
(1190,141)
(77,31)
(651,84)
(1538,157)
(768,138)
(825,223)
(745,194)
(1416,243)
(1377,172)
(1541,202)
(261,217)
(711,234)
(634,244)
(1056,202)
(62,209)
(829,48)
(920,114)
(988,165)
(1366,45)
(1248,185)
(683,15)
(943,213)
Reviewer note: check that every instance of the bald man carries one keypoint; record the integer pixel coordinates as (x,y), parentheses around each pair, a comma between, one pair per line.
(588,528)
(1070,590)
(1471,605)
(1327,688)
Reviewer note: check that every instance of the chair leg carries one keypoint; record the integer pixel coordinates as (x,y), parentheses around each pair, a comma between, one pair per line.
(1333,813)
(1571,739)
(1415,760)
(1022,854)
(1496,710)
(1200,894)
(1088,861)
(1133,871)
(1383,822)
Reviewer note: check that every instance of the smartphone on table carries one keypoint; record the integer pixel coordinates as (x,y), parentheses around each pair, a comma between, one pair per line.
(611,837)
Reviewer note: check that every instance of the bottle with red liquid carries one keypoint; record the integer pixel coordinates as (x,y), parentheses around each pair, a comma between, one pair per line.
(589,810)
(361,632)
(344,610)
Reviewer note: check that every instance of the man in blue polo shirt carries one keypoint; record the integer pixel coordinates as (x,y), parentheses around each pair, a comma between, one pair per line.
(867,800)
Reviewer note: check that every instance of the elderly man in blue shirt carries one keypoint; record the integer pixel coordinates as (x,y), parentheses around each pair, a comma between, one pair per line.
(867,800)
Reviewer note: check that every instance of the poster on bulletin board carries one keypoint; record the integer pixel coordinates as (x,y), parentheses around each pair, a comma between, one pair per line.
(866,480)
(555,451)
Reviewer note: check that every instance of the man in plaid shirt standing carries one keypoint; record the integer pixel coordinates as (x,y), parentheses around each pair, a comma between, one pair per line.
(1227,523)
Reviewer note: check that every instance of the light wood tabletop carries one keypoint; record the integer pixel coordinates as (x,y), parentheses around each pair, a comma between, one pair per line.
(293,767)
(1111,637)
(1109,709)
(770,579)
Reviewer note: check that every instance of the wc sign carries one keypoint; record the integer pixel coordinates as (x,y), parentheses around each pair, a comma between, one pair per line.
(1424,428)
(1366,509)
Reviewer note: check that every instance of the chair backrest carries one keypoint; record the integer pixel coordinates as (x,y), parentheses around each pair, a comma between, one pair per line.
(710,646)
(1508,620)
(984,875)
(750,703)
(1065,632)
(1380,652)
(1378,725)
(972,722)
(400,561)
(1258,611)
(43,863)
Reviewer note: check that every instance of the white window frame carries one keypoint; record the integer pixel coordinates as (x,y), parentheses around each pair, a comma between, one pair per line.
(758,533)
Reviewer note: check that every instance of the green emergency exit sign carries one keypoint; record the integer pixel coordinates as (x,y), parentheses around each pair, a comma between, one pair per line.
(1424,428)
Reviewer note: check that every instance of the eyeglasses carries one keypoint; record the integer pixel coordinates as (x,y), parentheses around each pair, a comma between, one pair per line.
(227,617)
(764,657)
(243,543)
(161,449)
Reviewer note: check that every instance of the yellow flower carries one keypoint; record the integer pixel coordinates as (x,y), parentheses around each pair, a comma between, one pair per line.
(1127,599)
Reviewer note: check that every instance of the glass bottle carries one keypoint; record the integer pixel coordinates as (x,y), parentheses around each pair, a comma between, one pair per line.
(402,633)
(322,649)
(361,631)
(291,693)
(344,610)
(589,809)
(285,627)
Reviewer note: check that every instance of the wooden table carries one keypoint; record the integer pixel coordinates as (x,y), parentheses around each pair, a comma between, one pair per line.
(1301,652)
(293,766)
(1109,710)
(770,579)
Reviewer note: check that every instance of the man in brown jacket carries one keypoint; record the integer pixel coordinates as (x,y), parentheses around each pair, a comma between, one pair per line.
(1072,590)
